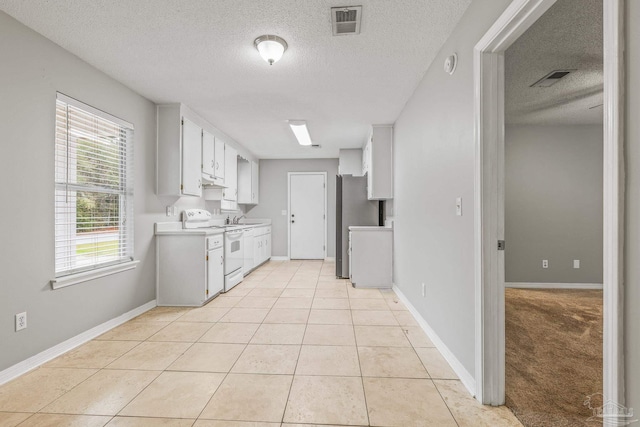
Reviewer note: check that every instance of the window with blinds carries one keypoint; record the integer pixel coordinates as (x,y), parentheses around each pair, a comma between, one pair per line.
(93,188)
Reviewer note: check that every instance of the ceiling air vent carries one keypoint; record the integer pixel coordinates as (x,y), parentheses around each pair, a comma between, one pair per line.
(315,146)
(552,78)
(346,20)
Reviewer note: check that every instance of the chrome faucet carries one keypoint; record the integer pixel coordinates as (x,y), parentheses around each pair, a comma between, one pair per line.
(236,220)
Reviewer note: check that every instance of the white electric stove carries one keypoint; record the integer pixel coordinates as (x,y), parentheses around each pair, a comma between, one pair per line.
(233,248)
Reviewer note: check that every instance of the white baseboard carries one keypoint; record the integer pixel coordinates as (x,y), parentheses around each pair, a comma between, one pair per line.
(330,259)
(530,285)
(279,258)
(43,357)
(465,377)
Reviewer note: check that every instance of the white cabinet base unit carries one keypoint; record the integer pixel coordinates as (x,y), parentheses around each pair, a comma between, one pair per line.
(261,245)
(371,257)
(247,243)
(190,268)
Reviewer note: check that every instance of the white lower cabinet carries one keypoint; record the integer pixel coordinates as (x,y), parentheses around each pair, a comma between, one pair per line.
(371,257)
(215,271)
(261,245)
(247,245)
(190,268)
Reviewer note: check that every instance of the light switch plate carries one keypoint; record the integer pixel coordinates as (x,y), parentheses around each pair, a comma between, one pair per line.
(284,212)
(576,263)
(459,206)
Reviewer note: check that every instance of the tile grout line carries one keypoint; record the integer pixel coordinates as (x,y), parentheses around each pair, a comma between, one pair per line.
(364,393)
(231,368)
(293,377)
(163,370)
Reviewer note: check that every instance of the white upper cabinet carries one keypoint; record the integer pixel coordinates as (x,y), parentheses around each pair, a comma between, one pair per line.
(248,182)
(191,158)
(208,155)
(212,160)
(377,162)
(255,183)
(179,146)
(230,174)
(219,160)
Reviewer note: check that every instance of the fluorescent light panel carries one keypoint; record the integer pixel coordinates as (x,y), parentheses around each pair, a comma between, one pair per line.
(299,129)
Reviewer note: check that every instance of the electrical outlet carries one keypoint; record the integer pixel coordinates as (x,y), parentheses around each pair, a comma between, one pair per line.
(21,321)
(545,263)
(576,263)
(168,210)
(424,290)
(175,211)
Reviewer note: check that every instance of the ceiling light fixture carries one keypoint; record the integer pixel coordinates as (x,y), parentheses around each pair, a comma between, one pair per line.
(299,129)
(271,47)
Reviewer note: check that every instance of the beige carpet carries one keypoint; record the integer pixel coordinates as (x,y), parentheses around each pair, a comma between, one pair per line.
(553,355)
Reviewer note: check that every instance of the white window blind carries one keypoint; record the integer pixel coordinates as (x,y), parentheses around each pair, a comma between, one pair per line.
(93,188)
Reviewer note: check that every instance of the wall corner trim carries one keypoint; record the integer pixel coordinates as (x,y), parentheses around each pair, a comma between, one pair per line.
(465,377)
(43,357)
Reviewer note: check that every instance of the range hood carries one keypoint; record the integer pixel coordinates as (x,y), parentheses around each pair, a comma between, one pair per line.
(211,182)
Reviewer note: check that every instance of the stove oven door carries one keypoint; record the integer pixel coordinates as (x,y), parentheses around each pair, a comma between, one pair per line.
(233,251)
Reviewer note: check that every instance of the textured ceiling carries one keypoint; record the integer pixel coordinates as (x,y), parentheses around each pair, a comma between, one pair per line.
(567,36)
(201,53)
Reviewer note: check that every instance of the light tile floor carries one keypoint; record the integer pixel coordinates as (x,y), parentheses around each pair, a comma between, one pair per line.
(289,346)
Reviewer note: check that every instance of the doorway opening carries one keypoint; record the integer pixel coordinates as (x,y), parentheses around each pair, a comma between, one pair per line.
(553,216)
(489,62)
(307,215)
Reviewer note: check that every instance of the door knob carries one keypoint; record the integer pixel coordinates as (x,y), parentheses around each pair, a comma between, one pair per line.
(292,215)
(292,221)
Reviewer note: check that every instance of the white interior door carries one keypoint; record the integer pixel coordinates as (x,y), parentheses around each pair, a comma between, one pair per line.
(307,215)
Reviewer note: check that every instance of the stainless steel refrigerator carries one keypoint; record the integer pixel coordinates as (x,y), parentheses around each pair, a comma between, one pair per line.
(352,208)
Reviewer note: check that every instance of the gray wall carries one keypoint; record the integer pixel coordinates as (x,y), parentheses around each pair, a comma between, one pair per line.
(632,234)
(553,203)
(33,69)
(433,165)
(350,162)
(273,198)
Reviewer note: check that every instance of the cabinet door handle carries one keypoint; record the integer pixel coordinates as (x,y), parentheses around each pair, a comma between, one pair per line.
(212,163)
(217,166)
(199,183)
(221,260)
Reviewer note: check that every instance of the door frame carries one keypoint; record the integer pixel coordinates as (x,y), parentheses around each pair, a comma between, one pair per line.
(289,175)
(489,196)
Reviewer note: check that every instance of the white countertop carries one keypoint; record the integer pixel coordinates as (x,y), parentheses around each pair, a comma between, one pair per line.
(369,228)
(172,228)
(175,228)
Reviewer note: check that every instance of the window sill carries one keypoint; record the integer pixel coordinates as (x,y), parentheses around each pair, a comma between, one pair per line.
(85,276)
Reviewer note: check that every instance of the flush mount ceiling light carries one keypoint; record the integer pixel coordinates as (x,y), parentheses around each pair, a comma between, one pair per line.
(299,129)
(271,47)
